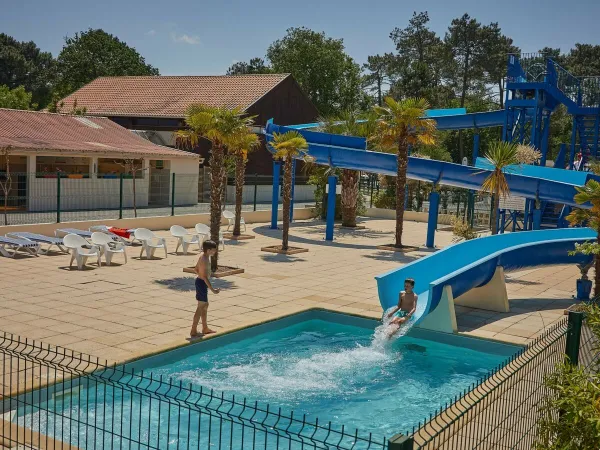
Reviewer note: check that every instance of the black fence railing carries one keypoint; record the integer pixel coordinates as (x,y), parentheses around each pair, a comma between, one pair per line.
(503,409)
(472,207)
(29,198)
(87,404)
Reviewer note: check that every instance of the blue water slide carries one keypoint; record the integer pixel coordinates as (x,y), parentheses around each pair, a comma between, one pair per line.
(574,177)
(447,119)
(349,152)
(472,264)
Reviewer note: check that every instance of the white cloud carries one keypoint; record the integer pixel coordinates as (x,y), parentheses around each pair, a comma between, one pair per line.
(185,39)
(150,33)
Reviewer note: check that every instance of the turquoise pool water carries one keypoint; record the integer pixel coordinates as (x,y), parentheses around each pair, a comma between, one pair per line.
(334,371)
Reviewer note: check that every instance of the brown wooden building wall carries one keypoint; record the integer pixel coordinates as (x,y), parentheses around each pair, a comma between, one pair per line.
(286,104)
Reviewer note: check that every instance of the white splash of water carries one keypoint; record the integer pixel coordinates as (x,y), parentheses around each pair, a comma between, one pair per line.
(386,333)
(289,375)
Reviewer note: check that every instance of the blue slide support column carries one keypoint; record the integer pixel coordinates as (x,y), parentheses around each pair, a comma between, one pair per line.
(537,219)
(545,136)
(434,202)
(573,141)
(275,195)
(293,189)
(331,183)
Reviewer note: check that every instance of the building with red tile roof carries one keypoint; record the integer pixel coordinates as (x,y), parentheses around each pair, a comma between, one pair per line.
(89,154)
(156,105)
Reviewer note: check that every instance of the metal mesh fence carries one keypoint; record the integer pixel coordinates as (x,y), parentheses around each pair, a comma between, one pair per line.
(29,198)
(502,410)
(89,405)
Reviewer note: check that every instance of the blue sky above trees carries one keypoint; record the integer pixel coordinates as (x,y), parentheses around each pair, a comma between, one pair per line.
(206,37)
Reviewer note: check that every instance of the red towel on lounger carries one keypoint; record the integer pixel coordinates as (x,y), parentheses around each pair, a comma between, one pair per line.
(120,232)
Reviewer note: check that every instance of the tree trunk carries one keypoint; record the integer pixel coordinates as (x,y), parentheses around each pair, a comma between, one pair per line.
(287,195)
(597,271)
(350,193)
(496,200)
(501,90)
(240,171)
(216,194)
(379,96)
(402,159)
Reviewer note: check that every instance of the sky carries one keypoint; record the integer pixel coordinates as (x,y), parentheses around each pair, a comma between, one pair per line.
(200,37)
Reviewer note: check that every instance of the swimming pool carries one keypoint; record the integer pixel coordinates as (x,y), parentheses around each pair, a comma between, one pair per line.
(317,364)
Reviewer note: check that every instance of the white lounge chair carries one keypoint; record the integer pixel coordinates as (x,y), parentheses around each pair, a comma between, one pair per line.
(81,250)
(231,220)
(40,239)
(107,246)
(150,242)
(184,238)
(115,237)
(204,231)
(16,245)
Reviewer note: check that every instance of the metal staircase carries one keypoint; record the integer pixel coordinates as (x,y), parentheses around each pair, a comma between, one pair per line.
(587,128)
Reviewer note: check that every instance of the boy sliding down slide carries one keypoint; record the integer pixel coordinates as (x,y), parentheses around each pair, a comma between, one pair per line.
(407,304)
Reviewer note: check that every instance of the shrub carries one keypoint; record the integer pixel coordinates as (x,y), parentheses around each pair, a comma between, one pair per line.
(462,230)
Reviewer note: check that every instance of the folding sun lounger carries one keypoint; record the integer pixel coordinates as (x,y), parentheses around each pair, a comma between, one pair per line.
(8,243)
(62,232)
(41,239)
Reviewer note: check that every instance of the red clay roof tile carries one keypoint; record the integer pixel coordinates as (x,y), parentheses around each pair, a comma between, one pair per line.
(169,96)
(33,130)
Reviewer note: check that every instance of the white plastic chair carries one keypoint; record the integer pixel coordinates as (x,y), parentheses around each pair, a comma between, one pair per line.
(204,232)
(107,246)
(150,242)
(231,220)
(80,250)
(184,238)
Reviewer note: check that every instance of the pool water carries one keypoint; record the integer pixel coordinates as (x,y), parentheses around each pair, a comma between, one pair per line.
(337,373)
(334,371)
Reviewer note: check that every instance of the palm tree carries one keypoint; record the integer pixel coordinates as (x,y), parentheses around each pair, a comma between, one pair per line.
(245,143)
(349,123)
(401,125)
(500,155)
(221,126)
(589,193)
(287,146)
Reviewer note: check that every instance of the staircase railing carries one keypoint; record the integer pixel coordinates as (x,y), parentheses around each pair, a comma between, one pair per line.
(567,83)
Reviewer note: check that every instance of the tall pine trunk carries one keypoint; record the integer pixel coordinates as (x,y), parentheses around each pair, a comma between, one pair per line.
(496,201)
(350,194)
(287,196)
(216,194)
(402,160)
(240,171)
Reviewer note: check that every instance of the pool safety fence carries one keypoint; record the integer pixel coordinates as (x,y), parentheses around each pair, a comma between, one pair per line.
(55,398)
(473,207)
(503,410)
(32,198)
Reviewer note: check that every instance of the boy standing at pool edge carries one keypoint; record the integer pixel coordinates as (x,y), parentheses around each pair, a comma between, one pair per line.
(407,305)
(202,269)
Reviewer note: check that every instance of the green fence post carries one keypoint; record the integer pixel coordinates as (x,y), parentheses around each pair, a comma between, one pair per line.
(121,196)
(57,197)
(173,196)
(400,442)
(255,189)
(574,336)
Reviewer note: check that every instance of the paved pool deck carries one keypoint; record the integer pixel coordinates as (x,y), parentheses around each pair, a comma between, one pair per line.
(126,311)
